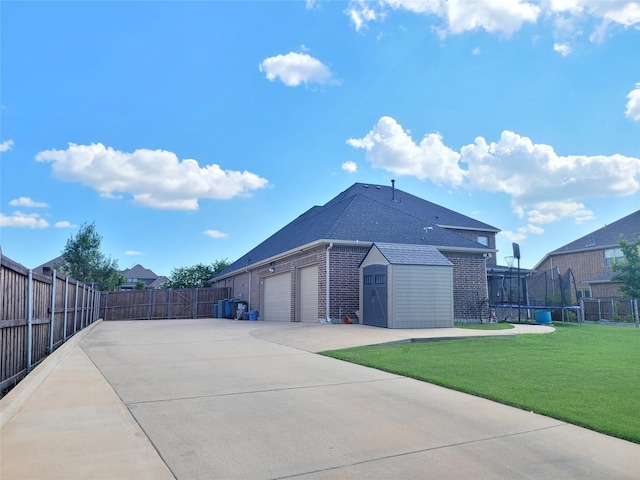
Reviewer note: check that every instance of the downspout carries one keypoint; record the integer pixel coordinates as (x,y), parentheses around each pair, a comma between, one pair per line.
(328,284)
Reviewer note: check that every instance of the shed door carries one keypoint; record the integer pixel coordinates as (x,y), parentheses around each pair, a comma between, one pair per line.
(277,298)
(374,285)
(308,296)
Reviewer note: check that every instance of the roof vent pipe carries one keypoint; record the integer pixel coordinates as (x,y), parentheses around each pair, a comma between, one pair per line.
(393,190)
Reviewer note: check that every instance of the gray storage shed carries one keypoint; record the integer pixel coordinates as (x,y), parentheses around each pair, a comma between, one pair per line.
(406,286)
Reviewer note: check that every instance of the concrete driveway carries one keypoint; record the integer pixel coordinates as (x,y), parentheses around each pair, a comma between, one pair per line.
(219,399)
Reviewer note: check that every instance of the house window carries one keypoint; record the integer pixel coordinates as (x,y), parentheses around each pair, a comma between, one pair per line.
(368,279)
(584,294)
(612,256)
(483,240)
(379,279)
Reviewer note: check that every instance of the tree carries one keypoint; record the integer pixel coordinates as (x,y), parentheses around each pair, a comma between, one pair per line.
(628,270)
(197,276)
(140,285)
(85,262)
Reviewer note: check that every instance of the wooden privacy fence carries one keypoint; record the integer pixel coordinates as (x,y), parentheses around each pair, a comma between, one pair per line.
(37,314)
(160,304)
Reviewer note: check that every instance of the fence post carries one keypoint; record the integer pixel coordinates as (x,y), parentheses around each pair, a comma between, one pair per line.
(82,308)
(169,306)
(635,303)
(52,318)
(75,310)
(29,318)
(66,305)
(195,305)
(149,305)
(106,305)
(581,313)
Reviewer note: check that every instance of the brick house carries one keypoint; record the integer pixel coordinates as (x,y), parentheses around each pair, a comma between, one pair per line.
(138,273)
(591,257)
(309,270)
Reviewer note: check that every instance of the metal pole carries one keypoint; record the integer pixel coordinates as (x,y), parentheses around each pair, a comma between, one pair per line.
(581,312)
(66,305)
(29,319)
(635,303)
(52,318)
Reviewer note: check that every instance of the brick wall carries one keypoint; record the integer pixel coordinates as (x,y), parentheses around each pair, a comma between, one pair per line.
(469,281)
(584,265)
(469,286)
(345,280)
(608,289)
(473,235)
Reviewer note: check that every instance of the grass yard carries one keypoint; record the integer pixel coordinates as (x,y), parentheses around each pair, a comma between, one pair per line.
(588,375)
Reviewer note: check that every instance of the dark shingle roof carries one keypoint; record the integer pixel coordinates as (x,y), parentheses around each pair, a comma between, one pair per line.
(139,272)
(401,254)
(368,214)
(607,236)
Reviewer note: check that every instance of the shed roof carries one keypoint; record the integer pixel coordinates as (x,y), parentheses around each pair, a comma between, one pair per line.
(403,254)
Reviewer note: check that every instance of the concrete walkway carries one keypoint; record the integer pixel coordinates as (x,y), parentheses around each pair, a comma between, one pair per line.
(207,399)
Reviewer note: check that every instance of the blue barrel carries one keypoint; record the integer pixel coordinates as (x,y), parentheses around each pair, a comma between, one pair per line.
(227,308)
(220,309)
(215,310)
(253,315)
(543,317)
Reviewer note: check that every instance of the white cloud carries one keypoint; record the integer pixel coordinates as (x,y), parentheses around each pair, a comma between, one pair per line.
(505,16)
(633,105)
(155,178)
(6,145)
(132,252)
(64,224)
(351,167)
(361,12)
(562,48)
(543,186)
(23,220)
(528,172)
(390,147)
(476,51)
(26,202)
(522,232)
(215,234)
(548,212)
(294,69)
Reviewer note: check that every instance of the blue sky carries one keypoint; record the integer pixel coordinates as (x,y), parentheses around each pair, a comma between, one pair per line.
(191,131)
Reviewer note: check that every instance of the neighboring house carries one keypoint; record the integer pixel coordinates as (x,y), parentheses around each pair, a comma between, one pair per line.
(309,271)
(135,274)
(158,282)
(591,257)
(51,264)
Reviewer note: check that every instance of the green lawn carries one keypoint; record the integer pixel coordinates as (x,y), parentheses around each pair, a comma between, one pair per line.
(588,375)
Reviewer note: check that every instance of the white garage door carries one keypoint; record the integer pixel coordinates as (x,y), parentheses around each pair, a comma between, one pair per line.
(308,299)
(277,298)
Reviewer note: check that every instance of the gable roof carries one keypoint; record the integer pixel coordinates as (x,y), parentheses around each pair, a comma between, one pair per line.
(368,213)
(139,272)
(605,237)
(402,254)
(56,262)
